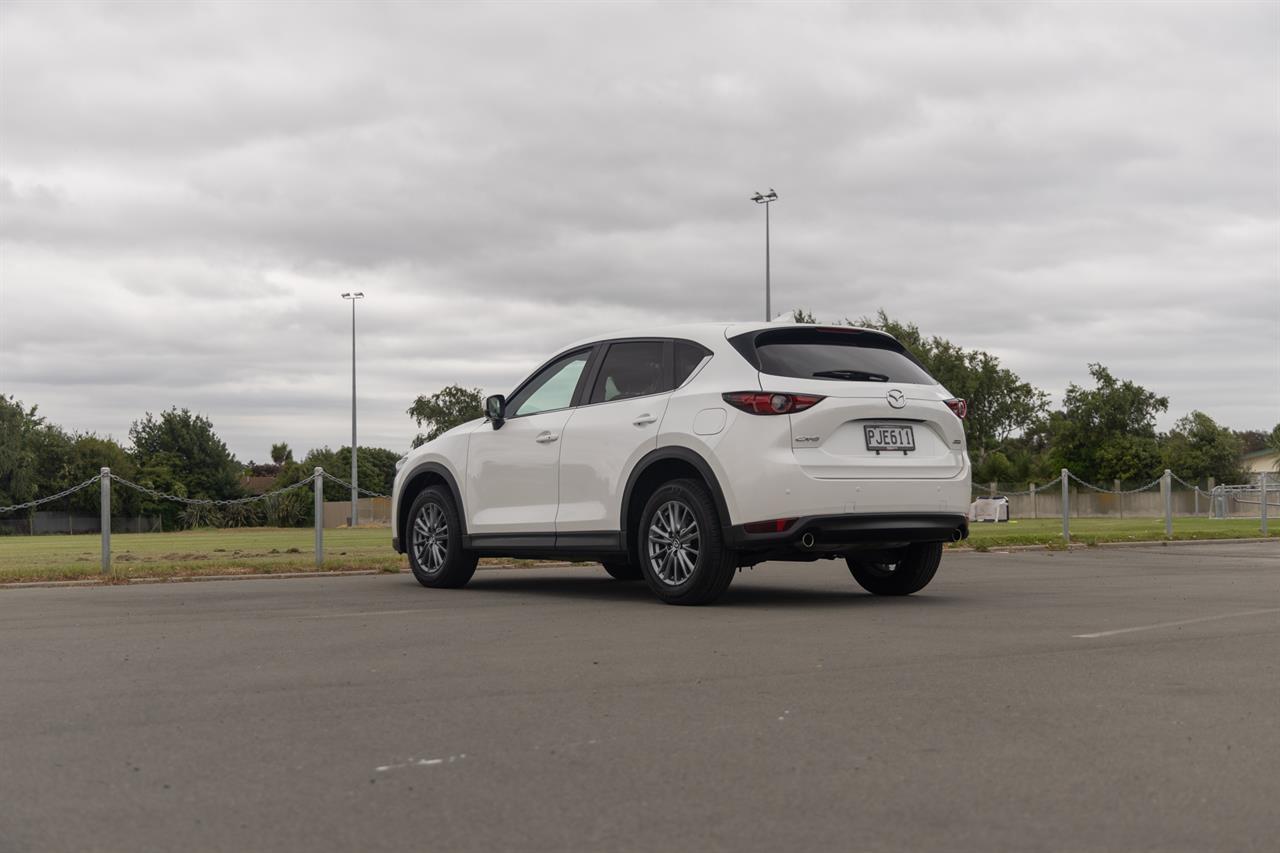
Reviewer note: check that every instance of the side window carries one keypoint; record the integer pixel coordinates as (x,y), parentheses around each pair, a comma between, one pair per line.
(688,356)
(630,369)
(552,388)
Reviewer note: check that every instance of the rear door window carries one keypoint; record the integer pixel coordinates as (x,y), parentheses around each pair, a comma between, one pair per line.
(837,355)
(630,369)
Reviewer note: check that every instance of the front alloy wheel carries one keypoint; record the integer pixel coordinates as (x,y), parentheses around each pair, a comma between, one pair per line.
(436,556)
(430,538)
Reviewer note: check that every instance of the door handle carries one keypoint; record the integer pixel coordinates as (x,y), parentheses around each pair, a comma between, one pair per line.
(644,420)
(547,437)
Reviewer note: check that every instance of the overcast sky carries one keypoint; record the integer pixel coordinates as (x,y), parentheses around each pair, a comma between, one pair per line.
(186,189)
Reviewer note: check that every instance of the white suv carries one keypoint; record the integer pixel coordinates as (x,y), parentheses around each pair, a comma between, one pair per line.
(682,454)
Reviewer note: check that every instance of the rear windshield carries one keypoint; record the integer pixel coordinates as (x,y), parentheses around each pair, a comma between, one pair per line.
(832,354)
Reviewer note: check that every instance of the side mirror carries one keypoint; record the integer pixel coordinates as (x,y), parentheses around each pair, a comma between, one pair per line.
(495,409)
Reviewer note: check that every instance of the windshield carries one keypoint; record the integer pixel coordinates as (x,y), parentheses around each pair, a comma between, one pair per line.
(835,355)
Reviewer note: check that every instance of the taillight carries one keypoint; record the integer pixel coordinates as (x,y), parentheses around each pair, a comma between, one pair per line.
(959,407)
(769,403)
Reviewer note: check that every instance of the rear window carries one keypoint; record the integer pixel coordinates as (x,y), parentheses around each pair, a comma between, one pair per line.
(832,354)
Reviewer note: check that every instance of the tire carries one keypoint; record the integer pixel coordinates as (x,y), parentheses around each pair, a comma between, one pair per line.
(911,573)
(623,570)
(681,547)
(434,540)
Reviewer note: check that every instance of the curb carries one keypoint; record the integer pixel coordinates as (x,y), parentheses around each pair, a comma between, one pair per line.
(245,577)
(1146,543)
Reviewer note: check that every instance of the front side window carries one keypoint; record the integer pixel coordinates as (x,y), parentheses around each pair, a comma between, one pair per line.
(552,388)
(630,369)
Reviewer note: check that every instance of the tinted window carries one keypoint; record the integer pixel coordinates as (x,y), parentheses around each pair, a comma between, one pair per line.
(551,388)
(629,369)
(688,356)
(835,355)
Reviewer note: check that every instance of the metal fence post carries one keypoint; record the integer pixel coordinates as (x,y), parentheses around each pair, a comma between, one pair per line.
(1034,513)
(318,484)
(1066,510)
(105,509)
(1262,481)
(1166,486)
(1119,495)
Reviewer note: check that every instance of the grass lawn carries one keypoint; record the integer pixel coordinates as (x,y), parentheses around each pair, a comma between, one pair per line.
(1089,531)
(253,550)
(262,550)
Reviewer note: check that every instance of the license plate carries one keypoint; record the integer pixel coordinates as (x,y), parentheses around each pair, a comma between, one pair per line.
(884,437)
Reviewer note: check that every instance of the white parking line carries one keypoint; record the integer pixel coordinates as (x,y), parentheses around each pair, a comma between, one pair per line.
(1174,624)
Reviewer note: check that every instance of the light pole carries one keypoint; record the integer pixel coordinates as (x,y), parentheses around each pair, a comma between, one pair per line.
(355,496)
(766,199)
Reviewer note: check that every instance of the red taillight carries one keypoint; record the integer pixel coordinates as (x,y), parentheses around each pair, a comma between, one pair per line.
(769,403)
(959,407)
(774,525)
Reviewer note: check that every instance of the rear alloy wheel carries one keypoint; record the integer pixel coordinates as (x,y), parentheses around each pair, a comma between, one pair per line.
(436,556)
(622,570)
(682,551)
(911,572)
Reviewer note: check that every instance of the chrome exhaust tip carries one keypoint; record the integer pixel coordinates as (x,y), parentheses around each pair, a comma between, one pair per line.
(806,541)
(956,535)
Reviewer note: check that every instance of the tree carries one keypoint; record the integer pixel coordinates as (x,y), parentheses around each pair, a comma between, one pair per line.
(1197,448)
(446,409)
(280,453)
(18,462)
(1108,432)
(1273,444)
(179,453)
(88,455)
(377,470)
(1252,439)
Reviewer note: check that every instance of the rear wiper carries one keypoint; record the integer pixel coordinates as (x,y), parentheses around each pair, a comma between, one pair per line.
(852,375)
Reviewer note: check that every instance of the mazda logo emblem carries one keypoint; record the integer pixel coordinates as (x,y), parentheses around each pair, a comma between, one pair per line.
(896,398)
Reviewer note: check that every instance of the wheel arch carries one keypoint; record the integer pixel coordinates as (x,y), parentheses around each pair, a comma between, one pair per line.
(424,476)
(660,466)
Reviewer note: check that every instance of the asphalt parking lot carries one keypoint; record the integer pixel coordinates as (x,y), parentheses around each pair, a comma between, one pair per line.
(1107,699)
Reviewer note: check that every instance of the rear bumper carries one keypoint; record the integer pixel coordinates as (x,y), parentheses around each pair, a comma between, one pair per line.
(833,532)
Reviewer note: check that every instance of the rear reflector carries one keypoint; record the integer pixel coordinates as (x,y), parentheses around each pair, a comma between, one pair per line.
(776,525)
(960,407)
(769,403)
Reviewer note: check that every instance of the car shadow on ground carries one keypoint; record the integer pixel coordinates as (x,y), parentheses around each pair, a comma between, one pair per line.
(740,594)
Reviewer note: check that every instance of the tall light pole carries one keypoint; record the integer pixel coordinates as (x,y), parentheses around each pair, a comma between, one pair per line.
(355,496)
(766,199)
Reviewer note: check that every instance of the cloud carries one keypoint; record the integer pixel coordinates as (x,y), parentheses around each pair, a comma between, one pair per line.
(185,189)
